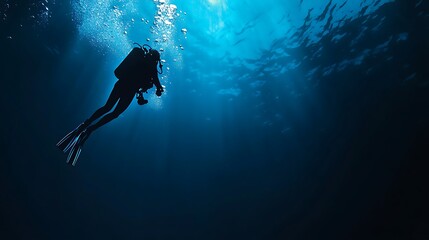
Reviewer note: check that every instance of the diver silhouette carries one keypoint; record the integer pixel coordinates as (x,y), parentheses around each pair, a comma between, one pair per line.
(136,74)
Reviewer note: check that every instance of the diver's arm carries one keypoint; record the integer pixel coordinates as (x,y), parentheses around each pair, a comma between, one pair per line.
(155,81)
(159,88)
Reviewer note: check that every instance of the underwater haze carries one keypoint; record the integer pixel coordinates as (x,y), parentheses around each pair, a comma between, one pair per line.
(297,119)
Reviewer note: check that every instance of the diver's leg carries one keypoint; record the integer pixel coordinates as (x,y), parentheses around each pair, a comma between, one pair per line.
(123,104)
(67,142)
(113,98)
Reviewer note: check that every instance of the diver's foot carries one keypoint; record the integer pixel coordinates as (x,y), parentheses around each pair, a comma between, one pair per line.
(77,147)
(66,142)
(82,127)
(84,135)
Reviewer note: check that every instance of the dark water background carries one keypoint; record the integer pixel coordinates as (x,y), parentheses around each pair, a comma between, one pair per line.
(336,147)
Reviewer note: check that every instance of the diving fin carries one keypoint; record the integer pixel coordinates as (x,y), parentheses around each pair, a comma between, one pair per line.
(66,142)
(76,147)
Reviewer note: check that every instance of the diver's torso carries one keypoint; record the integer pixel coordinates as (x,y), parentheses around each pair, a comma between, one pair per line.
(136,70)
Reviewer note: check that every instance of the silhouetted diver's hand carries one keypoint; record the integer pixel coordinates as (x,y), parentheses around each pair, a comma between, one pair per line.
(159,92)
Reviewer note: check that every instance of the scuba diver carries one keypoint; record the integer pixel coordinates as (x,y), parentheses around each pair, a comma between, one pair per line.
(136,74)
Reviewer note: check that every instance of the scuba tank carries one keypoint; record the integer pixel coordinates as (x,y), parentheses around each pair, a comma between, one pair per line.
(134,64)
(131,66)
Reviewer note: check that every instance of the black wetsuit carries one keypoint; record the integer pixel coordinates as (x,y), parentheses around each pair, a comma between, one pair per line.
(123,93)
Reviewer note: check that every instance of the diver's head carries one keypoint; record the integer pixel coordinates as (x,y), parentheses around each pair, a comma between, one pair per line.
(154,55)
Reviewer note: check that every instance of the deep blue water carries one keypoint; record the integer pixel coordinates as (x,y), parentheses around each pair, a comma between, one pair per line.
(281,120)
